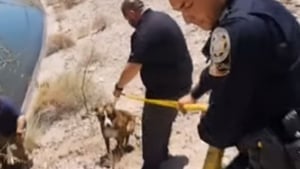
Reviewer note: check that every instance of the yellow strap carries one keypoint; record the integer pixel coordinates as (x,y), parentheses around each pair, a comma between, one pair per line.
(170,103)
(214,156)
(213,159)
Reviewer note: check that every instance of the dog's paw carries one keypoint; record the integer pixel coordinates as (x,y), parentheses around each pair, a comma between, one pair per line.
(128,149)
(105,161)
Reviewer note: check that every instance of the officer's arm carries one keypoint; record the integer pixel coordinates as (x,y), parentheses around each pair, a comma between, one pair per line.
(10,113)
(203,85)
(135,60)
(129,72)
(230,113)
(8,106)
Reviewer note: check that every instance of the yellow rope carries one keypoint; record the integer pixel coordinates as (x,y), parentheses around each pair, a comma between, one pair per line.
(170,103)
(214,156)
(213,159)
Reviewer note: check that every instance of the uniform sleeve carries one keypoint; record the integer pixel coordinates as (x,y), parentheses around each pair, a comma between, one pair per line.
(8,116)
(228,115)
(139,43)
(203,85)
(8,106)
(205,49)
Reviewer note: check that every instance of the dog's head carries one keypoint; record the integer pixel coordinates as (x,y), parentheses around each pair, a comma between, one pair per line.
(106,114)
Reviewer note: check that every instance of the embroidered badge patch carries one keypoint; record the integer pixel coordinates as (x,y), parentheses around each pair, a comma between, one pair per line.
(220,45)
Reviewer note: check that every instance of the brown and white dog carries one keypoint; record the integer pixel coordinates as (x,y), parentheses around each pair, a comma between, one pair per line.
(116,124)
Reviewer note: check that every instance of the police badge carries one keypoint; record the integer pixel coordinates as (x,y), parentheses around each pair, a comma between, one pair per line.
(220,45)
(220,50)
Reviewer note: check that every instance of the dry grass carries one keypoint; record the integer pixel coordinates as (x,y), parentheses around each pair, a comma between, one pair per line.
(90,56)
(58,8)
(57,97)
(98,24)
(68,4)
(60,16)
(64,92)
(37,124)
(51,2)
(83,31)
(57,42)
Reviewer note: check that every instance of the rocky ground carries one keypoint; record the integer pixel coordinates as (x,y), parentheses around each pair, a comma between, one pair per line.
(73,142)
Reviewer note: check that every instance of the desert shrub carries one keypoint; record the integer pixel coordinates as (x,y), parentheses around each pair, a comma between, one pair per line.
(51,2)
(96,25)
(90,56)
(64,92)
(60,16)
(82,31)
(68,4)
(37,124)
(55,98)
(69,92)
(58,42)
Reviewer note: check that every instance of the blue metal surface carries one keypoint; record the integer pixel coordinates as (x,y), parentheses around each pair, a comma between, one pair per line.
(22,39)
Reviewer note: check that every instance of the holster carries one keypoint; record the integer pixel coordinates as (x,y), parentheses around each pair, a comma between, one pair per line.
(267,151)
(291,123)
(293,150)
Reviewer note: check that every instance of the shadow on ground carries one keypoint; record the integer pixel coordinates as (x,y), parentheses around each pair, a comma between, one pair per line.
(175,162)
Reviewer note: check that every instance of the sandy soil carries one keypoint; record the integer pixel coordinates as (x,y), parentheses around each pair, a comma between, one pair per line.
(76,143)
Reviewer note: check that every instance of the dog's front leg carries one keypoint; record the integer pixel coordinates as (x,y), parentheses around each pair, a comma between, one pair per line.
(126,141)
(110,154)
(107,144)
(120,143)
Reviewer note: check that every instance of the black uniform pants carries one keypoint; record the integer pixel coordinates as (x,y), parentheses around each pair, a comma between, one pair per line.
(156,127)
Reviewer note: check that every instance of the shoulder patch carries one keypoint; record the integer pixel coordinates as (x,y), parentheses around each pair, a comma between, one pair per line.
(219,45)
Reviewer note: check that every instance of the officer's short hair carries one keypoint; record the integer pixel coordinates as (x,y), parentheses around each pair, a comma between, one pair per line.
(136,5)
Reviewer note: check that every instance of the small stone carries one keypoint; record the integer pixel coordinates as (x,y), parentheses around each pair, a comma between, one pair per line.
(78,152)
(92,68)
(101,79)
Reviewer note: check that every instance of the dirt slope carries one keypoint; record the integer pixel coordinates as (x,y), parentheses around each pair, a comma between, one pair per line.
(76,143)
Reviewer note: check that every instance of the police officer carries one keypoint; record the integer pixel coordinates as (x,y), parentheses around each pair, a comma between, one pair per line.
(12,130)
(210,80)
(259,42)
(11,120)
(159,52)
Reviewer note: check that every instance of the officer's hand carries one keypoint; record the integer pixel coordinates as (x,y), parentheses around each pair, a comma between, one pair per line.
(21,126)
(117,91)
(187,99)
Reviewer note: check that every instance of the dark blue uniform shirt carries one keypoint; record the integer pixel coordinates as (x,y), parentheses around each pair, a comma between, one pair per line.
(8,117)
(159,45)
(207,83)
(263,83)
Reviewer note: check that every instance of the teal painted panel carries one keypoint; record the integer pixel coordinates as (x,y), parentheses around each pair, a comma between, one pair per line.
(22,28)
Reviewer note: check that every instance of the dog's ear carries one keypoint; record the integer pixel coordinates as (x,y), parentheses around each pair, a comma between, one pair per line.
(98,107)
(95,109)
(110,107)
